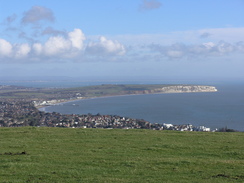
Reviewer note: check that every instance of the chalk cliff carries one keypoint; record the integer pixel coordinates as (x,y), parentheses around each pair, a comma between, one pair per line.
(185,89)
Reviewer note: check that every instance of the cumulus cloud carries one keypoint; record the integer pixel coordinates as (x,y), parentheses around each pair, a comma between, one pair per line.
(106,47)
(56,45)
(60,46)
(77,37)
(5,48)
(22,50)
(37,14)
(150,5)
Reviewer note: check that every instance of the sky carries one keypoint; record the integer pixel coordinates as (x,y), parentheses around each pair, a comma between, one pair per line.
(122,39)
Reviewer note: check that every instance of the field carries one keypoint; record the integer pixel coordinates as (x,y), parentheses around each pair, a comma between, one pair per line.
(32,154)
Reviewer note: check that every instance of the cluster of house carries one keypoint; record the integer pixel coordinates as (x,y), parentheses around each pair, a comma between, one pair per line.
(185,127)
(22,113)
(15,112)
(101,121)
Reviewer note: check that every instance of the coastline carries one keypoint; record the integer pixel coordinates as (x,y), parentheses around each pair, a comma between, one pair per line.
(220,109)
(64,101)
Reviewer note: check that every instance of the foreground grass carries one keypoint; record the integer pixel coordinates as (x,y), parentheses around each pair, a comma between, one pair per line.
(33,154)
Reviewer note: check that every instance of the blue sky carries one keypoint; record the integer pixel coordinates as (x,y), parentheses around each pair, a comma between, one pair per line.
(122,39)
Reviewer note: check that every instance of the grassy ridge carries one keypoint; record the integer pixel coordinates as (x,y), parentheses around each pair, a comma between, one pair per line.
(33,154)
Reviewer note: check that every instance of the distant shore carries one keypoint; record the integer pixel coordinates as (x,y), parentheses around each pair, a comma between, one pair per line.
(64,101)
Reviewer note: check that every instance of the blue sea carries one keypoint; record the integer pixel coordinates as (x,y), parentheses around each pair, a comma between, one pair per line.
(224,108)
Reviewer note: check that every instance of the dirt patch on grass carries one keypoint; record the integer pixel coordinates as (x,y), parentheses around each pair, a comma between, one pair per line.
(238,177)
(17,153)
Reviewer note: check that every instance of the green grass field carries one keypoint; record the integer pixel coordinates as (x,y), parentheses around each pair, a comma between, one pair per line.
(32,154)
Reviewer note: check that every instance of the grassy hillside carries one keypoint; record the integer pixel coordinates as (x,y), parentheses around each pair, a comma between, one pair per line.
(31,154)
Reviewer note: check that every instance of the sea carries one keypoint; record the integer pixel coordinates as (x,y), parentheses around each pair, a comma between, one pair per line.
(215,110)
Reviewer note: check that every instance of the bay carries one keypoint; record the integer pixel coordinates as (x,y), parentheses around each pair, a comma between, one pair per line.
(224,108)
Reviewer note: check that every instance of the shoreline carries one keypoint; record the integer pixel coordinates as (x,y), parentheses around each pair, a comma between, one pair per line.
(64,101)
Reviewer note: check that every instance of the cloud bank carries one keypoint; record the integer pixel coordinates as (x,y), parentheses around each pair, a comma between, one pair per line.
(74,46)
(70,46)
(209,49)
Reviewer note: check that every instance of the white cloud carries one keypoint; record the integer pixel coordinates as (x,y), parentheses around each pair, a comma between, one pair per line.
(61,46)
(208,45)
(36,14)
(5,48)
(22,50)
(106,47)
(56,46)
(77,37)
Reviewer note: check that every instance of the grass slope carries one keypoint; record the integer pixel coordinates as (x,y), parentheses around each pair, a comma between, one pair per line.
(31,154)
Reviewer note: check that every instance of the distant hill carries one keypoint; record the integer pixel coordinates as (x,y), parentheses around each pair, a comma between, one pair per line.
(17,92)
